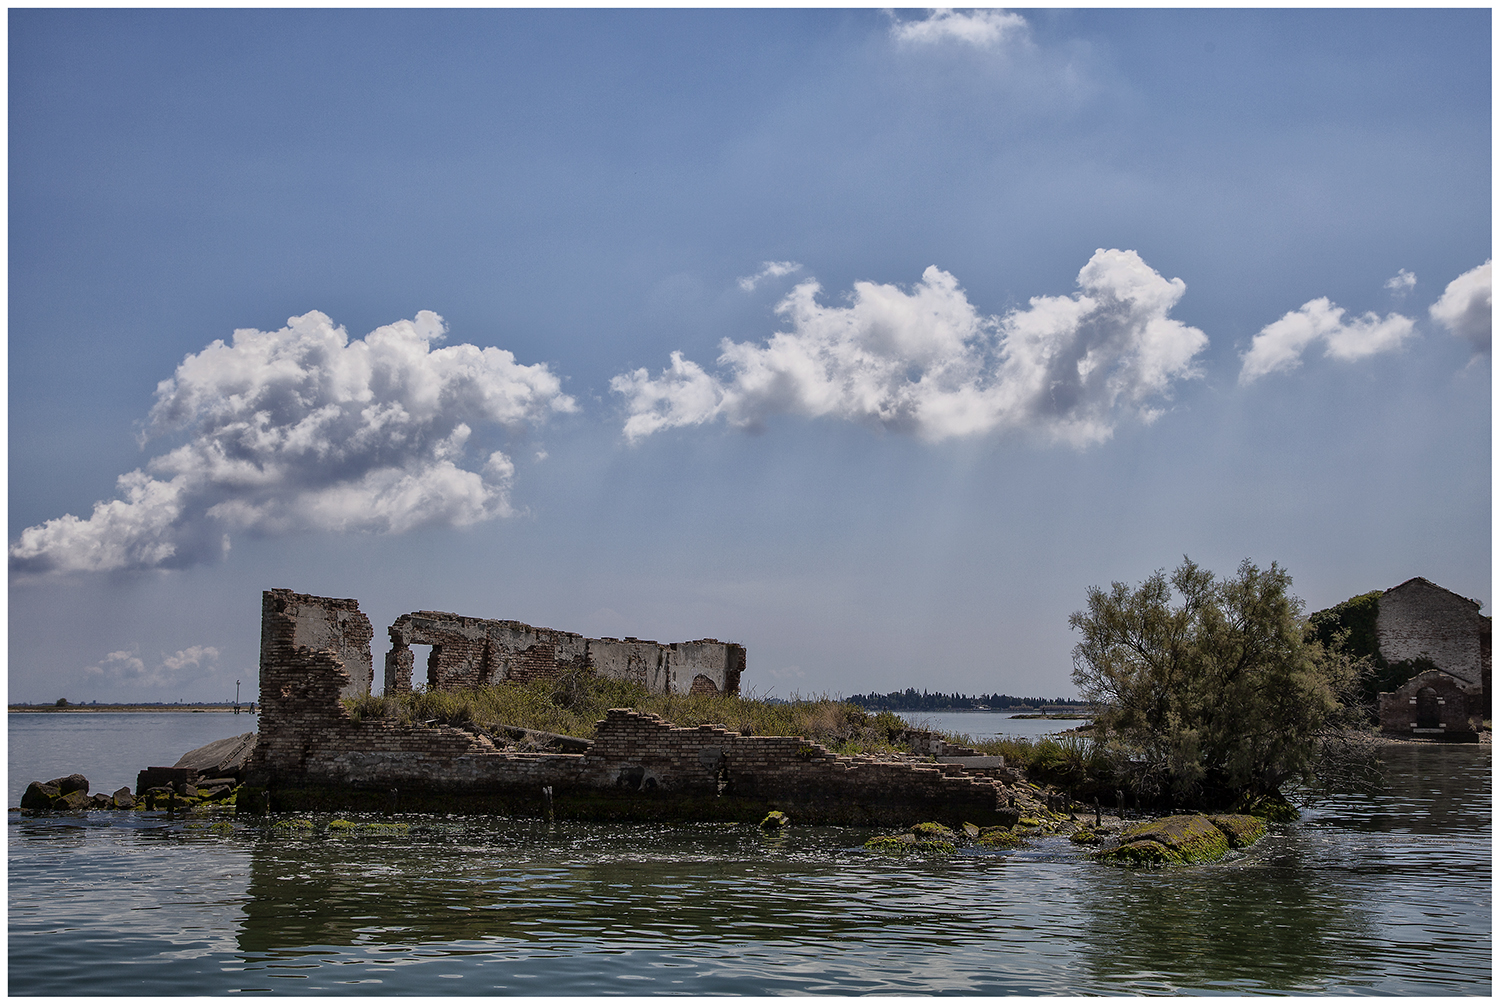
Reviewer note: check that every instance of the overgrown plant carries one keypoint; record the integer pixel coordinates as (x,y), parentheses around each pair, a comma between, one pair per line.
(1209,690)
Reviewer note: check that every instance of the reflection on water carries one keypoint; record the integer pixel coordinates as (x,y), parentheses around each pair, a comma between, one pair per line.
(1338,903)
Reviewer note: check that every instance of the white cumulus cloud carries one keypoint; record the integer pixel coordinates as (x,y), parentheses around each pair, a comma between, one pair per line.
(1464,307)
(1401,283)
(926,362)
(193,656)
(1280,344)
(305,429)
(125,666)
(981,28)
(768,270)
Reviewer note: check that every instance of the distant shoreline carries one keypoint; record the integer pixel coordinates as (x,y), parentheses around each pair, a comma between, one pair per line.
(245,709)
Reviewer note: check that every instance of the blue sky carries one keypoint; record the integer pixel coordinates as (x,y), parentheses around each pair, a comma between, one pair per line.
(869,341)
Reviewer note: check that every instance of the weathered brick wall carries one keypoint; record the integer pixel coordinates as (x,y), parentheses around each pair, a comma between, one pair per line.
(470,652)
(326,623)
(1460,706)
(1419,618)
(307,736)
(639,765)
(639,752)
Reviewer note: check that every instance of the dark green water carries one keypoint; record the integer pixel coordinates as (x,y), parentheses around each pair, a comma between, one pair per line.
(1385,894)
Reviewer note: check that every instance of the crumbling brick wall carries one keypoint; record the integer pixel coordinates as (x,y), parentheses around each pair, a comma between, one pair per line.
(471,652)
(297,619)
(306,734)
(1433,704)
(640,752)
(639,766)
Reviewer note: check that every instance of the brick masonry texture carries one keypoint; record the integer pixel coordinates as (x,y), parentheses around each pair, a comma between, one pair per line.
(639,767)
(1420,619)
(473,652)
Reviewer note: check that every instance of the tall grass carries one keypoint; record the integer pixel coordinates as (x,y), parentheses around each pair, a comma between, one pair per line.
(1078,764)
(573,704)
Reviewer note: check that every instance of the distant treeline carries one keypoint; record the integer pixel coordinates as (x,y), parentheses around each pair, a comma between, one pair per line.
(912,700)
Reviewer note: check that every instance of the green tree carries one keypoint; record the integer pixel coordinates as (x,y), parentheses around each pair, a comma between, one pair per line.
(1211,690)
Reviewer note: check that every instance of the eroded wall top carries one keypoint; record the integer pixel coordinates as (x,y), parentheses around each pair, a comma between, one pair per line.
(473,652)
(299,619)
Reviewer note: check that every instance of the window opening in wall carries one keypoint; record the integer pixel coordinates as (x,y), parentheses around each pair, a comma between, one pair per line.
(430,663)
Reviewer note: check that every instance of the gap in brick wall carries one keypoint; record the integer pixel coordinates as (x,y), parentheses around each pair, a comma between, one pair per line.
(421,672)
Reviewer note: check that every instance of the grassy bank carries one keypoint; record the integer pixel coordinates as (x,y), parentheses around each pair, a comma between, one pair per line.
(574,703)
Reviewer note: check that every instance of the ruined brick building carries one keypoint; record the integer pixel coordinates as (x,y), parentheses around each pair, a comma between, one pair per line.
(472,652)
(311,752)
(1443,635)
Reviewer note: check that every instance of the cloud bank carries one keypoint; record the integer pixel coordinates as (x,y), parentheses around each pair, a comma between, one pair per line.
(304,429)
(927,363)
(979,28)
(1280,344)
(1464,307)
(124,665)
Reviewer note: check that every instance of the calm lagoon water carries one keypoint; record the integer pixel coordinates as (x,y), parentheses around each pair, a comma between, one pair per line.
(1367,894)
(989,725)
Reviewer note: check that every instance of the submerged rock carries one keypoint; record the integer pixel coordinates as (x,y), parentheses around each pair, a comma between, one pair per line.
(1242,830)
(1183,839)
(78,799)
(1273,807)
(39,796)
(1000,837)
(910,842)
(774,821)
(70,792)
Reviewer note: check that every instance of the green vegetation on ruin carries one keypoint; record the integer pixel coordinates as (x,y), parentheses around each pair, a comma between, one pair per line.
(574,703)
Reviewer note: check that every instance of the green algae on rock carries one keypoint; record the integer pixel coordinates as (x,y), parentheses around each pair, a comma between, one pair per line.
(774,821)
(1272,807)
(930,838)
(1000,837)
(1242,830)
(1182,840)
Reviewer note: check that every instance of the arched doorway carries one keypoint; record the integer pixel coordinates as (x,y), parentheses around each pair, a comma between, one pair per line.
(1429,712)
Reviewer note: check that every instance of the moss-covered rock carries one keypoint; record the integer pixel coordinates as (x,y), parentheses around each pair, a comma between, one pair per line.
(1085,835)
(1241,829)
(892,842)
(1272,808)
(1177,840)
(388,829)
(1000,837)
(774,821)
(910,842)
(931,830)
(292,828)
